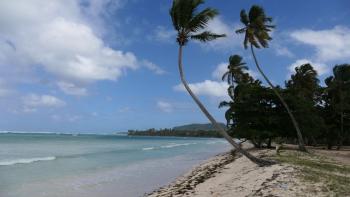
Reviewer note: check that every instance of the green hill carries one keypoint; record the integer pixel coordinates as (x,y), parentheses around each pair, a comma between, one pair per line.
(197,127)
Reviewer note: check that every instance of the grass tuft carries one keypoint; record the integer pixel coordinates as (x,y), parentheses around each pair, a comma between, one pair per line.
(319,169)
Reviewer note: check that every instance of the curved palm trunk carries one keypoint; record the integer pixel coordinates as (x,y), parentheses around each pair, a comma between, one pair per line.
(258,161)
(295,123)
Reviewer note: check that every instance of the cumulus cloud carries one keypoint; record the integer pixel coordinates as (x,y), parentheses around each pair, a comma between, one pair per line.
(33,101)
(283,51)
(163,34)
(72,89)
(319,67)
(60,41)
(207,88)
(219,26)
(219,71)
(57,37)
(65,118)
(153,67)
(329,44)
(165,106)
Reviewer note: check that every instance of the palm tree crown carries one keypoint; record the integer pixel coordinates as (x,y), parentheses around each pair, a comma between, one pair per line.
(341,79)
(304,79)
(191,24)
(235,70)
(257,27)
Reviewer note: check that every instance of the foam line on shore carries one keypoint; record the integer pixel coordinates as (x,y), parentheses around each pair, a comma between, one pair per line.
(25,160)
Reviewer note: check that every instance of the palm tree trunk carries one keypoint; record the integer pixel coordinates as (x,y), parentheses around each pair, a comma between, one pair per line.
(340,136)
(222,131)
(295,123)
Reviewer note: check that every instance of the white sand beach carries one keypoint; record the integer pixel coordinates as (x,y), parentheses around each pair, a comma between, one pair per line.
(226,176)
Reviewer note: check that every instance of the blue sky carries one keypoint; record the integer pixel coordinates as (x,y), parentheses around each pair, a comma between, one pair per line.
(111,65)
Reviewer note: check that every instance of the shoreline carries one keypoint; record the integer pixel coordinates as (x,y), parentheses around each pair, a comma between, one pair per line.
(227,175)
(186,182)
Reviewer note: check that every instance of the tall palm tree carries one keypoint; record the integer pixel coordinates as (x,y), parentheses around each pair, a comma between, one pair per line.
(234,74)
(256,29)
(235,70)
(190,24)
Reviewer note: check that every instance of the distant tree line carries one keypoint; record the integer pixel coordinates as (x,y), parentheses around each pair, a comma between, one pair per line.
(172,132)
(257,114)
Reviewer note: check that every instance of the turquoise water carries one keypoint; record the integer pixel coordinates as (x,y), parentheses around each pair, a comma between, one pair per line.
(96,165)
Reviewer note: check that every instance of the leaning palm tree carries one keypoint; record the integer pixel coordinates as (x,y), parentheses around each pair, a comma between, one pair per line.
(256,29)
(190,24)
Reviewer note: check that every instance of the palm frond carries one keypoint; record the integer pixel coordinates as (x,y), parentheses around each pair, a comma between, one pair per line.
(200,21)
(206,36)
(255,12)
(257,27)
(241,31)
(244,17)
(224,75)
(224,104)
(245,42)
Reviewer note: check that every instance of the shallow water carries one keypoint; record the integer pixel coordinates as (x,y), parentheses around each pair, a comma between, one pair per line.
(35,165)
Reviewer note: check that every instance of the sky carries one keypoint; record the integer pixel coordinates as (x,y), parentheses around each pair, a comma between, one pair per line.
(100,66)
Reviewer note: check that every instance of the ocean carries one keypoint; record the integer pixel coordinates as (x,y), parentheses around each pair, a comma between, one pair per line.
(71,165)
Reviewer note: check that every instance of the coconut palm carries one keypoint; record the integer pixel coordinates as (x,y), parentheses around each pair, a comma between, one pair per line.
(190,24)
(256,29)
(235,70)
(234,74)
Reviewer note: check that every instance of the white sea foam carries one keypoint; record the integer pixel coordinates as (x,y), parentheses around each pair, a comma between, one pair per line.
(171,145)
(148,148)
(176,145)
(25,160)
(29,132)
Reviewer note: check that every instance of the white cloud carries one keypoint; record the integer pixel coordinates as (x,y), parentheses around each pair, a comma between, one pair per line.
(219,71)
(4,90)
(72,89)
(94,114)
(153,67)
(330,44)
(207,88)
(232,40)
(33,101)
(162,34)
(283,51)
(165,106)
(65,118)
(73,118)
(56,36)
(319,67)
(124,109)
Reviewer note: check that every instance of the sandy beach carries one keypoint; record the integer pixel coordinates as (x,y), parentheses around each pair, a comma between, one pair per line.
(228,175)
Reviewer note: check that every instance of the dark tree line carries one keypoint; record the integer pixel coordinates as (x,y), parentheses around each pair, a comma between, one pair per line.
(172,132)
(257,114)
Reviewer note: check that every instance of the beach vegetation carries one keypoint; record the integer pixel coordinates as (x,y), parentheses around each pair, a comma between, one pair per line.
(190,24)
(317,169)
(256,30)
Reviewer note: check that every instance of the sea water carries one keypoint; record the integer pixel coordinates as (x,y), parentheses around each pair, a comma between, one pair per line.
(37,165)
